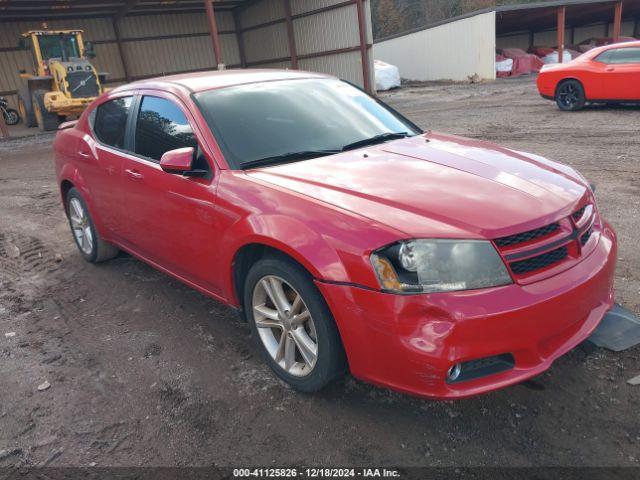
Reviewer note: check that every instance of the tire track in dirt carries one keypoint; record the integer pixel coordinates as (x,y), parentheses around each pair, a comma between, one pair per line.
(24,258)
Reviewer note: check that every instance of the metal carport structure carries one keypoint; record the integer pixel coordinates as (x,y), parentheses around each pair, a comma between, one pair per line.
(136,39)
(567,16)
(464,47)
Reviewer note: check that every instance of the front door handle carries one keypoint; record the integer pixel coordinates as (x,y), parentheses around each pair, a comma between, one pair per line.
(134,174)
(610,69)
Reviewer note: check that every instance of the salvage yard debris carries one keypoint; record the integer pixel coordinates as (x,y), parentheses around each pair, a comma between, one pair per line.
(10,453)
(44,386)
(387,76)
(618,331)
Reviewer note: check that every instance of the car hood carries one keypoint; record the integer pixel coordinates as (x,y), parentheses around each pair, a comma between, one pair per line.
(437,185)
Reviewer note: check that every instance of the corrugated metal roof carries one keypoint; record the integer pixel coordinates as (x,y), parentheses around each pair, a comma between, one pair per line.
(44,10)
(543,15)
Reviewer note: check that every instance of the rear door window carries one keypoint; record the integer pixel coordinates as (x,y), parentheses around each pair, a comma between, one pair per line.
(109,121)
(161,127)
(626,55)
(605,57)
(620,56)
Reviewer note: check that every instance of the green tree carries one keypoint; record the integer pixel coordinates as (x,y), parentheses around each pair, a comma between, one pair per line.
(396,16)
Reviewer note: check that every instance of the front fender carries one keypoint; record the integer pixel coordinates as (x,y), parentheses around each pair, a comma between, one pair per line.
(289,235)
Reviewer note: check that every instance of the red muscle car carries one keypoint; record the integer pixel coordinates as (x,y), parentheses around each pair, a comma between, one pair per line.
(609,74)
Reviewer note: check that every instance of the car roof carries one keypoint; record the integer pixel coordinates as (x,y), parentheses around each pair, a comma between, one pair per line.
(594,52)
(635,43)
(209,80)
(621,45)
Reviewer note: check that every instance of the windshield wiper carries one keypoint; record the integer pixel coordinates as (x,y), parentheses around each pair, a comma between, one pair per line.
(375,140)
(287,158)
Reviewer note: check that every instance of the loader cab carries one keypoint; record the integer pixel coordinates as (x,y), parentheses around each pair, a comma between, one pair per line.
(62,46)
(45,45)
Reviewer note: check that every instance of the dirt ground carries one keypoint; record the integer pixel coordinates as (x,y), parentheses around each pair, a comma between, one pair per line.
(145,371)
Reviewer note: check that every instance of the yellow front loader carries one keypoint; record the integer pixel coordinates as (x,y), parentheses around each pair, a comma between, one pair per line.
(64,81)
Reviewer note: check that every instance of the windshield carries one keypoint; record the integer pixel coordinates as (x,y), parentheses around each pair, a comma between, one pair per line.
(62,46)
(273,121)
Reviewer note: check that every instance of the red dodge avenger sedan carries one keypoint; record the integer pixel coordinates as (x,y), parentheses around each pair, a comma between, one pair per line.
(349,239)
(608,74)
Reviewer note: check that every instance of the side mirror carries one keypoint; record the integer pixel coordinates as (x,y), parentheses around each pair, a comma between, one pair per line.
(22,43)
(89,52)
(177,161)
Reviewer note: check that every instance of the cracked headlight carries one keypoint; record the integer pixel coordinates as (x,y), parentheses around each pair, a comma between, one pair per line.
(429,266)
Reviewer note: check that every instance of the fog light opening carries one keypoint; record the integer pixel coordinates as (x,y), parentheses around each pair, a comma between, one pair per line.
(481,367)
(454,372)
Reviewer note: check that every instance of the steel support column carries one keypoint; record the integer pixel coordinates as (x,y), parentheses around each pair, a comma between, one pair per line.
(363,46)
(240,37)
(293,51)
(213,28)
(562,14)
(123,59)
(617,22)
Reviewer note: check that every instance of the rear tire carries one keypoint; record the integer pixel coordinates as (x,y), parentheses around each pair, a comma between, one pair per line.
(12,117)
(47,121)
(570,96)
(25,107)
(92,248)
(318,334)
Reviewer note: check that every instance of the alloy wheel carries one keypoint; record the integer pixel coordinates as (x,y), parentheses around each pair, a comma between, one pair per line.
(568,95)
(285,326)
(81,226)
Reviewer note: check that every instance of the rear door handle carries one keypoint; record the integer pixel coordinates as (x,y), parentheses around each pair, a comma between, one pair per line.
(134,174)
(610,69)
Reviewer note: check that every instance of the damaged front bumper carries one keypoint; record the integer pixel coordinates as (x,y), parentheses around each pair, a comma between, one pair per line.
(411,343)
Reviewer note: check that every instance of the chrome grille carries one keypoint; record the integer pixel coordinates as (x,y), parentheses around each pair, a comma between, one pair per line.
(527,236)
(578,215)
(82,84)
(536,250)
(539,262)
(585,237)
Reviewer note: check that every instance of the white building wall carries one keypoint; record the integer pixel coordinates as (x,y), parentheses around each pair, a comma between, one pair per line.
(453,51)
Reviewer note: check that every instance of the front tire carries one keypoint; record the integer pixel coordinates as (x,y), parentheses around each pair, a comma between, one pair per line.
(25,108)
(292,324)
(47,121)
(570,96)
(92,248)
